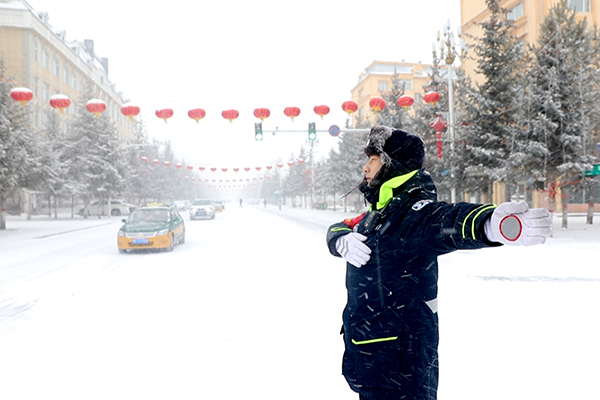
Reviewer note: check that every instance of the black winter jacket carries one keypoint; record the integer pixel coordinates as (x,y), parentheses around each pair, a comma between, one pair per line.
(392,299)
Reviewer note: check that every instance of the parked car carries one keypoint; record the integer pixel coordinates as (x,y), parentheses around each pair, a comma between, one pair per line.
(202,208)
(159,228)
(219,205)
(117,208)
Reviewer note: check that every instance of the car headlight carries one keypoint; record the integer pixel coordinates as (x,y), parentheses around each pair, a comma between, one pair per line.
(162,232)
(122,233)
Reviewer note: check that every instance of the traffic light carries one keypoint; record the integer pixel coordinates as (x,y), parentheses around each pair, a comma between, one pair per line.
(258,134)
(312,131)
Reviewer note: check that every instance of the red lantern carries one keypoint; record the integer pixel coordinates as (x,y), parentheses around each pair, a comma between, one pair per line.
(258,168)
(269,167)
(321,111)
(201,169)
(431,98)
(165,114)
(280,165)
(224,169)
(155,162)
(129,110)
(167,163)
(236,169)
(291,163)
(349,106)
(405,101)
(377,104)
(300,161)
(21,94)
(213,169)
(96,106)
(246,169)
(144,159)
(190,167)
(438,124)
(262,113)
(60,101)
(196,114)
(178,165)
(291,112)
(230,115)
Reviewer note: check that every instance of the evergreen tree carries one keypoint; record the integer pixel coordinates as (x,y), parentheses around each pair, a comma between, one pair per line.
(492,105)
(564,100)
(17,144)
(93,155)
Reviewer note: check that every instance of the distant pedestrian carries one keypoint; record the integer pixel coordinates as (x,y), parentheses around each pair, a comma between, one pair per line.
(241,202)
(279,204)
(265,202)
(390,323)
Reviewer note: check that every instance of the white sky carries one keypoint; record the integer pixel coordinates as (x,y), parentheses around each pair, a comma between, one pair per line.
(247,54)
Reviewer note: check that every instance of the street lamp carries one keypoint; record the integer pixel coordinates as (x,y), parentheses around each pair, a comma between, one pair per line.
(449,54)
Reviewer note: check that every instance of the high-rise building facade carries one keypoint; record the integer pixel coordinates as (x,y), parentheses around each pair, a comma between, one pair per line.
(39,57)
(528,16)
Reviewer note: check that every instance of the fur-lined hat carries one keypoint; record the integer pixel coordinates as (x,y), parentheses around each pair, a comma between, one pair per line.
(400,152)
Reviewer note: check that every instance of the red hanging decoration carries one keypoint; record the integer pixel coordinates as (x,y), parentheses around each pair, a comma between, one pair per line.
(201,169)
(190,167)
(178,165)
(405,101)
(247,169)
(431,98)
(438,124)
(60,101)
(321,111)
(377,104)
(96,106)
(144,159)
(262,113)
(350,106)
(291,112)
(230,115)
(165,114)
(155,162)
(167,163)
(224,169)
(236,169)
(21,94)
(196,114)
(129,110)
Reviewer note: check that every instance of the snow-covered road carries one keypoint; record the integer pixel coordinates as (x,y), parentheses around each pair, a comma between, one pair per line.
(251,307)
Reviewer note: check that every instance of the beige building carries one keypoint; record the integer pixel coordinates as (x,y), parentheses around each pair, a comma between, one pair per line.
(39,57)
(528,15)
(377,79)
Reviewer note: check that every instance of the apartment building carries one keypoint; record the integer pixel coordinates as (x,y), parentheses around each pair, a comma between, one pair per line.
(528,15)
(39,57)
(376,80)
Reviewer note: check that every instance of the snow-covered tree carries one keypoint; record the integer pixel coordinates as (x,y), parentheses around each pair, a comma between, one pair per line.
(492,105)
(18,152)
(93,154)
(564,99)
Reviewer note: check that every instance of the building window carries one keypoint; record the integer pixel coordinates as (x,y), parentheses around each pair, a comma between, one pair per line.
(66,74)
(45,92)
(361,92)
(407,84)
(46,58)
(36,50)
(515,13)
(579,5)
(56,66)
(74,80)
(418,72)
(383,86)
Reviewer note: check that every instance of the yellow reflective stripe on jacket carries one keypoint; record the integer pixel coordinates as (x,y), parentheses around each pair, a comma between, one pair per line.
(386,193)
(340,229)
(478,212)
(387,339)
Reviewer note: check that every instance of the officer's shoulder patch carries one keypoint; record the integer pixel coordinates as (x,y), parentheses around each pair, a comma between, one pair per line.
(420,204)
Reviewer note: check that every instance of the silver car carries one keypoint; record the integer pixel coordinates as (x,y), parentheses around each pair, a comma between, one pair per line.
(202,208)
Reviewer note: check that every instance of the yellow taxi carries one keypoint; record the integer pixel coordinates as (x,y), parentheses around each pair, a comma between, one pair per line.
(151,228)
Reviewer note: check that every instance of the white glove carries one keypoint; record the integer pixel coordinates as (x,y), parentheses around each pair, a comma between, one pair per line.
(353,250)
(516,224)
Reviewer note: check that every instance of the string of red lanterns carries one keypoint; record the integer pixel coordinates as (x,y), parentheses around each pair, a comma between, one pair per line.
(97,106)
